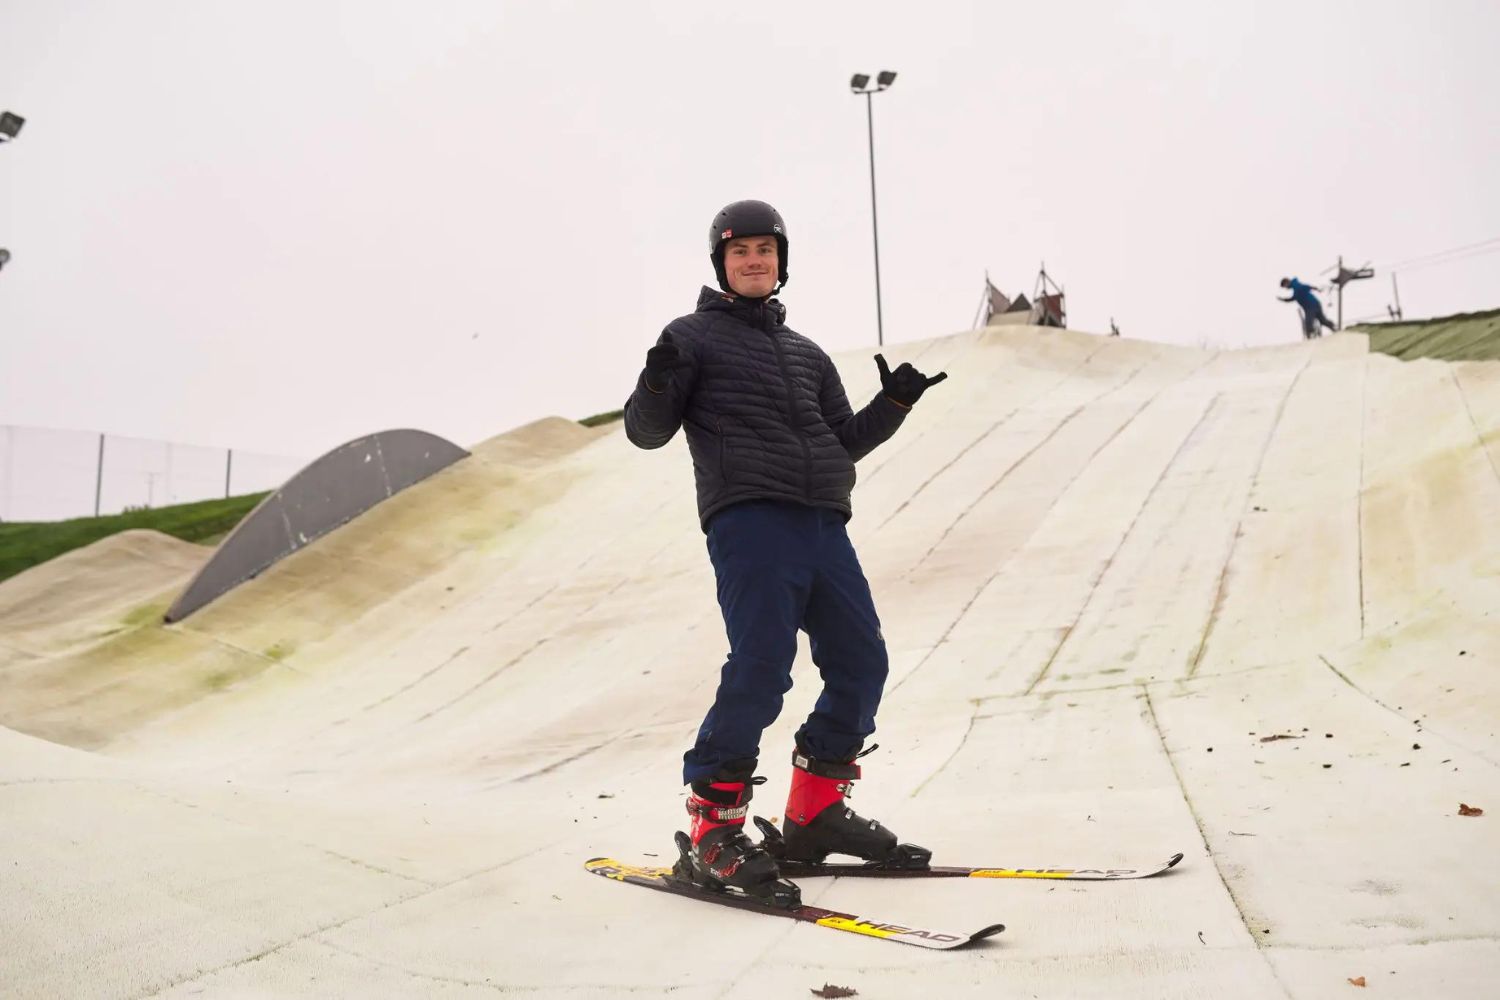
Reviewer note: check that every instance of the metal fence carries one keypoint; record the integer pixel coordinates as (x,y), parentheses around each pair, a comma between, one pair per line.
(52,475)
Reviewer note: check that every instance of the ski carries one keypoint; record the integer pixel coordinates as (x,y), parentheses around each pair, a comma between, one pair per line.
(663,880)
(914,865)
(800,869)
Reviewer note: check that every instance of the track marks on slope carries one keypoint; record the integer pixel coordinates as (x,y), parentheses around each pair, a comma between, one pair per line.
(962,741)
(1478,434)
(944,636)
(1222,587)
(335,924)
(1207,848)
(570,758)
(1046,439)
(486,679)
(1082,468)
(1400,715)
(1364,421)
(999,367)
(1124,537)
(405,687)
(985,493)
(241,824)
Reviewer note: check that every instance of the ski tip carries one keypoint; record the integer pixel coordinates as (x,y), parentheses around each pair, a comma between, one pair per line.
(989,931)
(1172,862)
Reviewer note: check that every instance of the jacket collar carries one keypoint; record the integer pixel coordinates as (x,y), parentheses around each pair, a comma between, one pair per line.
(763,314)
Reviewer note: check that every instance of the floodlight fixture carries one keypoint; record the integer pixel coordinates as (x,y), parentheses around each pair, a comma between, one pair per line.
(858,82)
(1345,275)
(10,125)
(885,79)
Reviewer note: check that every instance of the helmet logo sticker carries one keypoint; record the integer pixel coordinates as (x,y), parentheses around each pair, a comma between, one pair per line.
(726,234)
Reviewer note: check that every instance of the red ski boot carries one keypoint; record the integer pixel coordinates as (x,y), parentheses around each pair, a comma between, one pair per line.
(818,823)
(717,855)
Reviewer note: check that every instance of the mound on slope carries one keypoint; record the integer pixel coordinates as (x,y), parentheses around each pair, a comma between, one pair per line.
(538,443)
(86,656)
(81,595)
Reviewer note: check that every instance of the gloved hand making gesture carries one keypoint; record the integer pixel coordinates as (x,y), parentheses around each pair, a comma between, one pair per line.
(661,361)
(905,385)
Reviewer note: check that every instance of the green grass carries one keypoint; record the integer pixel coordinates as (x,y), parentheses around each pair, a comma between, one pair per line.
(24,544)
(602,418)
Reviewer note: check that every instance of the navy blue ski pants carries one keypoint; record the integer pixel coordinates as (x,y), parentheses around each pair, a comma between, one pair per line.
(782,567)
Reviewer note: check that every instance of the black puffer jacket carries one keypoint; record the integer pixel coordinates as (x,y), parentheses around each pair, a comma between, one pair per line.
(765,412)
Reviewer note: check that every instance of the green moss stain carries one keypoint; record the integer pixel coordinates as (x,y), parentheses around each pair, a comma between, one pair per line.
(278,651)
(145,614)
(220,679)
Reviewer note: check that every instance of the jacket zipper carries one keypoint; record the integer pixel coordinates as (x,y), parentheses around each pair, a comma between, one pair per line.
(791,409)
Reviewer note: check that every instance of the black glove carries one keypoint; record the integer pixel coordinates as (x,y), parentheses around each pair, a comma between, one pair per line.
(661,361)
(905,385)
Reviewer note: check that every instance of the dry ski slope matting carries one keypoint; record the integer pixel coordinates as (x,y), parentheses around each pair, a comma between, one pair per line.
(1139,599)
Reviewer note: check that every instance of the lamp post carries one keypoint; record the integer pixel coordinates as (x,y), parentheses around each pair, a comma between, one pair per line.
(1343,278)
(10,127)
(860,84)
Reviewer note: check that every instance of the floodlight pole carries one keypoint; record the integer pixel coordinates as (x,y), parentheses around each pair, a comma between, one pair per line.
(874,220)
(10,127)
(858,84)
(1344,277)
(99,477)
(1341,292)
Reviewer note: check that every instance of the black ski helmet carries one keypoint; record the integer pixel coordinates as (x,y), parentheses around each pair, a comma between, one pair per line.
(746,218)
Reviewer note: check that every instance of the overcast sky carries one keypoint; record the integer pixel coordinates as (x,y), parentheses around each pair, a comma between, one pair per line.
(276,226)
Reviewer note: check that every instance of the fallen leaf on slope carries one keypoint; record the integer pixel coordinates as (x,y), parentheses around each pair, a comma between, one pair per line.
(1464,810)
(834,991)
(1358,981)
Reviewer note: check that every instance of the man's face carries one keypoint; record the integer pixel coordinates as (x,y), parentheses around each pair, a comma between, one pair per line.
(750,264)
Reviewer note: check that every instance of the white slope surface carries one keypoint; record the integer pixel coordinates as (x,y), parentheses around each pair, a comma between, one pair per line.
(1107,570)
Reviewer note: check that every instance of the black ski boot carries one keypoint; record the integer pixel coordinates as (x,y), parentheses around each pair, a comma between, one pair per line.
(817,823)
(716,855)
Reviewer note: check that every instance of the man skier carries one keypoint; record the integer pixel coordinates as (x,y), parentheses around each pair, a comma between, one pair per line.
(1312,309)
(773,441)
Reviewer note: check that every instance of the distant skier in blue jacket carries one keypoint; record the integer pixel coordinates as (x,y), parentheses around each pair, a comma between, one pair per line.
(1312,309)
